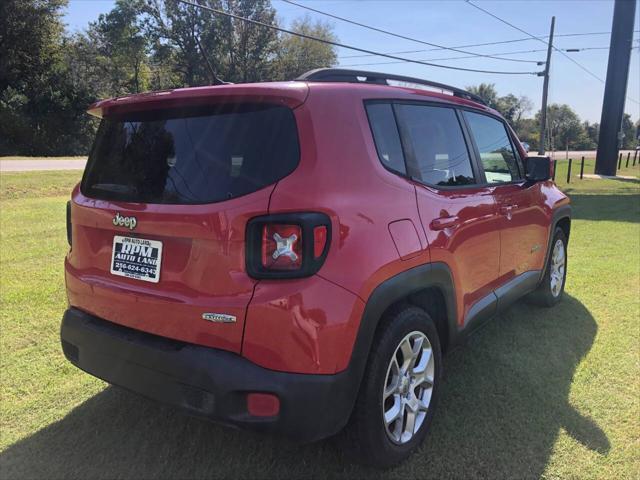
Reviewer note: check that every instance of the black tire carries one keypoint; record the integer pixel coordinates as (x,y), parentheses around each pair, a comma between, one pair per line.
(365,437)
(544,295)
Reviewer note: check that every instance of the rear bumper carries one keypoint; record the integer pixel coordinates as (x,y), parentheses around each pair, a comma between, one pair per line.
(207,382)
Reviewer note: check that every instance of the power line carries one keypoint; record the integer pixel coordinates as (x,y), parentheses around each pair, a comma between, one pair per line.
(502,42)
(342,45)
(518,52)
(533,36)
(592,48)
(404,37)
(539,39)
(449,58)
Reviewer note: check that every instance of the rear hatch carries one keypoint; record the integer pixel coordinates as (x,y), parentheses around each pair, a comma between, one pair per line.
(158,221)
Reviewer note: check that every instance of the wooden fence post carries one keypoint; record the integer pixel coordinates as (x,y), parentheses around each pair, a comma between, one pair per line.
(635,154)
(619,160)
(555,167)
(628,155)
(582,168)
(569,171)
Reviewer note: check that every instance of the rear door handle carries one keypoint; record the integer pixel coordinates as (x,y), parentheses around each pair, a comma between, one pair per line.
(444,222)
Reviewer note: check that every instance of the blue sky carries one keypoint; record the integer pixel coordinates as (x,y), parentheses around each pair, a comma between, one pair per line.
(454,23)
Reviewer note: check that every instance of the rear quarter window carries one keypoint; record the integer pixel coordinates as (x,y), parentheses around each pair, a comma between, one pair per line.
(192,157)
(386,136)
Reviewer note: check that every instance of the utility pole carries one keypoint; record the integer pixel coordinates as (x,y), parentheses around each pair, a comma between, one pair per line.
(615,88)
(545,91)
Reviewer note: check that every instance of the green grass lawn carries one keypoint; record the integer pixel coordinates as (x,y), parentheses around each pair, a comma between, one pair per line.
(77,157)
(589,168)
(537,393)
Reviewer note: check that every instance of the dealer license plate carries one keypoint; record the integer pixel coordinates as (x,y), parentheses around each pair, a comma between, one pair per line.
(136,258)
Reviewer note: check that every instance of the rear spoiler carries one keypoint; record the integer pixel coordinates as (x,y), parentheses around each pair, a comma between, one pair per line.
(291,94)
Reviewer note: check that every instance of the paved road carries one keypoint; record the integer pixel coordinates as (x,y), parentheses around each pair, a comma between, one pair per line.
(30,165)
(78,164)
(561,154)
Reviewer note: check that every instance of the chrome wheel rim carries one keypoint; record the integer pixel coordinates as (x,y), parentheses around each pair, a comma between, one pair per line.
(558,261)
(408,387)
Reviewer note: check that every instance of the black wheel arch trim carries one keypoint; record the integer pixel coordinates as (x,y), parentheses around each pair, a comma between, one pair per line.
(561,213)
(395,289)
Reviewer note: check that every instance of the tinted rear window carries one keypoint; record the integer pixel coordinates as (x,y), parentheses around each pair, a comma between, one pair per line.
(386,136)
(192,157)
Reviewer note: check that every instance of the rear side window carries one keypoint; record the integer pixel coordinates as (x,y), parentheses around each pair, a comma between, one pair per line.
(434,137)
(192,157)
(496,151)
(386,137)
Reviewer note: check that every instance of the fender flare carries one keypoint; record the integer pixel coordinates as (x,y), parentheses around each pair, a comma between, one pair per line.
(392,290)
(558,214)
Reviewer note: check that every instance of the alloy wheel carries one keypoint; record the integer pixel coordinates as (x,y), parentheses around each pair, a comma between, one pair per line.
(558,262)
(408,387)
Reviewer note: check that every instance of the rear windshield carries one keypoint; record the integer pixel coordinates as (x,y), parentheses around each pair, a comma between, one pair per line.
(191,157)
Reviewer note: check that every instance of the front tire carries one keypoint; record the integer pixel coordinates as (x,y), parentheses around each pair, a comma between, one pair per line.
(551,289)
(397,398)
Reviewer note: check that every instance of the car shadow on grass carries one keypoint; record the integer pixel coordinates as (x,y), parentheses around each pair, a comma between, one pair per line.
(504,401)
(613,208)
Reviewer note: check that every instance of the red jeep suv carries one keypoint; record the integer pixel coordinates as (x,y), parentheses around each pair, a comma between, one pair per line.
(296,257)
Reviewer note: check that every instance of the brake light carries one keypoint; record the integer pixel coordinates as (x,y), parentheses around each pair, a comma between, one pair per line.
(319,240)
(288,245)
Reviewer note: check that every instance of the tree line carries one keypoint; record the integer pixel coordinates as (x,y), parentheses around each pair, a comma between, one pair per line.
(565,129)
(49,76)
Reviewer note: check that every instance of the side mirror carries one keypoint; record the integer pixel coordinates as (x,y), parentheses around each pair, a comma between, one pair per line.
(538,169)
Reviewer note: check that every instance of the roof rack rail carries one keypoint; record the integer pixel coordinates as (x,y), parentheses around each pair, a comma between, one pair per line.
(360,76)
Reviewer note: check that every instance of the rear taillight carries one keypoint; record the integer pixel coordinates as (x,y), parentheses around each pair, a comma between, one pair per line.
(69,233)
(287,246)
(281,247)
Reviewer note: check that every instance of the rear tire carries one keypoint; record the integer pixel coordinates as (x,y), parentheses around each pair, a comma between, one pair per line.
(551,289)
(399,390)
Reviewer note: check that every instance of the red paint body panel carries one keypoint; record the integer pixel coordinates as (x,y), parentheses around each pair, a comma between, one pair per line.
(302,326)
(203,267)
(406,239)
(471,246)
(524,228)
(382,225)
(291,94)
(351,186)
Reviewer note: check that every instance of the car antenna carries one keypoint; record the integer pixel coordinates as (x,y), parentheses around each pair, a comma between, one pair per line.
(215,79)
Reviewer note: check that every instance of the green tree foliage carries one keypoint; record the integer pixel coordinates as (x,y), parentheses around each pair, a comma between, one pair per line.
(110,57)
(41,109)
(487,92)
(512,108)
(297,55)
(630,139)
(48,78)
(565,130)
(592,131)
(563,127)
(187,39)
(528,131)
(177,31)
(248,49)
(119,38)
